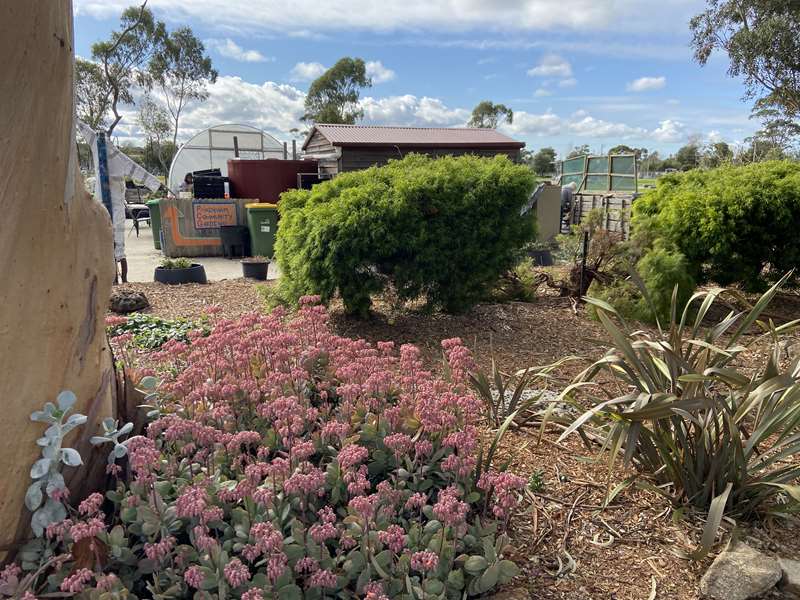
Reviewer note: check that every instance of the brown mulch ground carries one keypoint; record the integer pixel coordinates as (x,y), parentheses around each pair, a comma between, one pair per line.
(567,547)
(234,296)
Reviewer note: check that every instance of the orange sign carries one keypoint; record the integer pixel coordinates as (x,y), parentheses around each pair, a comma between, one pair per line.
(212,215)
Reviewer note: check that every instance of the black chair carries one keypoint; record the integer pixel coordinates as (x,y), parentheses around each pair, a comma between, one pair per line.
(235,237)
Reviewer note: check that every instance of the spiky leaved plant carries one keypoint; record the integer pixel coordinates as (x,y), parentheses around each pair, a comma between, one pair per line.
(708,434)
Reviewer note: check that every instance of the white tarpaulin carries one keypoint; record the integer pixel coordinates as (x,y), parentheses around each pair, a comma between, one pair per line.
(120,167)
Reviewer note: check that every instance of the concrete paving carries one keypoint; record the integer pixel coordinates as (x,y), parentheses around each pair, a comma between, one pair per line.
(143,258)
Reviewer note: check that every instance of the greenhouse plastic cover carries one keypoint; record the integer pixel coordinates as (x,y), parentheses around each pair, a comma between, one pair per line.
(211,149)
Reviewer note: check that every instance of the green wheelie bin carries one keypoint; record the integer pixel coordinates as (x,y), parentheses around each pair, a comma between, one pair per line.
(155,221)
(262,220)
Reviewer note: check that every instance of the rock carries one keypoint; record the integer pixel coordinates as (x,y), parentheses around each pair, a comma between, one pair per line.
(790,580)
(126,301)
(740,573)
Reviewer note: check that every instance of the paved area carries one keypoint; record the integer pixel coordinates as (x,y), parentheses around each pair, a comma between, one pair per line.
(143,258)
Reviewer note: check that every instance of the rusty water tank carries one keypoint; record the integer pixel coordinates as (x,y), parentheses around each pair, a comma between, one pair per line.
(265,180)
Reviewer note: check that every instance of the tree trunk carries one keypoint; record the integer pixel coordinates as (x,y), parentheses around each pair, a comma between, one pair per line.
(56,257)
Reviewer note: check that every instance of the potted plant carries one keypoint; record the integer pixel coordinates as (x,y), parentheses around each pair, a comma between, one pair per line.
(541,253)
(255,267)
(179,270)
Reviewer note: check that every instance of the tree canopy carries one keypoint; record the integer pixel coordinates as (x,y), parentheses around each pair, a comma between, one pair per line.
(123,58)
(543,160)
(688,157)
(762,40)
(142,54)
(579,151)
(182,71)
(92,94)
(489,115)
(333,96)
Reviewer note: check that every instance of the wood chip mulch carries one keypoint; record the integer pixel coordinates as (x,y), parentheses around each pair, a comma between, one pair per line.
(568,546)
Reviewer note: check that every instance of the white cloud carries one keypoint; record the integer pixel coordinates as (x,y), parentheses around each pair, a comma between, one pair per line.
(669,131)
(277,108)
(571,82)
(230,49)
(274,107)
(552,65)
(527,124)
(417,15)
(647,84)
(378,72)
(542,92)
(410,110)
(307,71)
(585,125)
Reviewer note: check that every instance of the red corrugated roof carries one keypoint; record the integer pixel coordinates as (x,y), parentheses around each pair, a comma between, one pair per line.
(373,135)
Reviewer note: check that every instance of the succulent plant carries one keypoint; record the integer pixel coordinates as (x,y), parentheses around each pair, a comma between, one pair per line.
(44,495)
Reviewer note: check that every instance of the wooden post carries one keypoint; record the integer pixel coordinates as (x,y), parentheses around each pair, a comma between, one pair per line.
(56,257)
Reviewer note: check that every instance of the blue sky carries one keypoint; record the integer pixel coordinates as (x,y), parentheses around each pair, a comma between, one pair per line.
(574,71)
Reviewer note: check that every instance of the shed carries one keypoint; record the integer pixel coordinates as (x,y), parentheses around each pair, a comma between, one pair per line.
(341,148)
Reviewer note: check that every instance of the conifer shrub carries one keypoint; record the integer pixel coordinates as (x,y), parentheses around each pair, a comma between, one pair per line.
(439,229)
(733,224)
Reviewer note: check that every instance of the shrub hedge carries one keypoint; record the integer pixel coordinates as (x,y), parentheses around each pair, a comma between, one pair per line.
(734,224)
(441,229)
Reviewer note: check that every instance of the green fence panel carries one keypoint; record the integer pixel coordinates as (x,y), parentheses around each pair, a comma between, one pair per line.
(597,183)
(598,164)
(573,165)
(623,165)
(623,184)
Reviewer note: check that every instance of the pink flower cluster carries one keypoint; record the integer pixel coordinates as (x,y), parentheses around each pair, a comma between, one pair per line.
(504,489)
(277,433)
(75,583)
(424,561)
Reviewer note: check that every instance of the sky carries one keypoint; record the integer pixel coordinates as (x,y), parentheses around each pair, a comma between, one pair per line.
(596,72)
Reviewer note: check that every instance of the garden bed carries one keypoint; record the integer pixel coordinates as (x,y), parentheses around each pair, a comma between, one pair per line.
(566,547)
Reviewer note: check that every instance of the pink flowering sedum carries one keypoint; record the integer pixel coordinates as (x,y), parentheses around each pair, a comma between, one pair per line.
(283,458)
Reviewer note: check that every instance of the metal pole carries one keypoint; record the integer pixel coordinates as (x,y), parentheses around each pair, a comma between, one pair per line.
(294,149)
(285,151)
(583,262)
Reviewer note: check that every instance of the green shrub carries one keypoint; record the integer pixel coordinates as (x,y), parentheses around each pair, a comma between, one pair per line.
(440,229)
(659,271)
(734,224)
(175,263)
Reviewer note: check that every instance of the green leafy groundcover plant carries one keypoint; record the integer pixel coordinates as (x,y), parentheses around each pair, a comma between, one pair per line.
(734,224)
(150,332)
(286,462)
(443,229)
